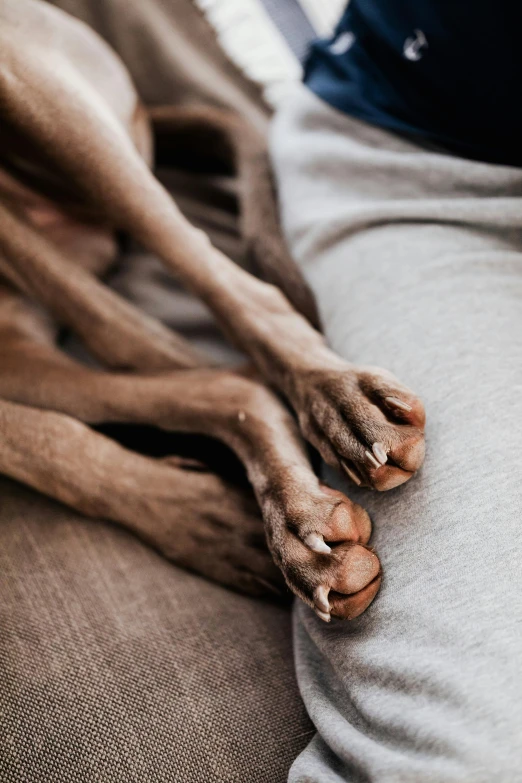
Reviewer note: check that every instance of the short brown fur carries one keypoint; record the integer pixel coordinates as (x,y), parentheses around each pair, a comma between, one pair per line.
(75,155)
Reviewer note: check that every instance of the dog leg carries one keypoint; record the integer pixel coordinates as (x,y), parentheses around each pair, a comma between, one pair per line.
(209,139)
(193,518)
(116,332)
(301,515)
(361,419)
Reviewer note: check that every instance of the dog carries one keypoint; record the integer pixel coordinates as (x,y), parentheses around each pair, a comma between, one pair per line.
(75,168)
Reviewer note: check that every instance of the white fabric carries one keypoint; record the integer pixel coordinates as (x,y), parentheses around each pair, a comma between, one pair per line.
(253,42)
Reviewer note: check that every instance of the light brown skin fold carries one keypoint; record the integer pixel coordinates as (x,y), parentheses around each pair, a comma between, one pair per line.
(76,147)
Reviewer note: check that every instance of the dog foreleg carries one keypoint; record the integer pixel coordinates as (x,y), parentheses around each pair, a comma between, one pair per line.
(361,419)
(193,518)
(300,515)
(212,139)
(74,129)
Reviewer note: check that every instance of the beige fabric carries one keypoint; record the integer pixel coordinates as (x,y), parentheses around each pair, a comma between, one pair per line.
(116,666)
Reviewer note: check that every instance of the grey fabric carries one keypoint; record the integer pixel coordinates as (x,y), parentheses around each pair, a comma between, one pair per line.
(117,667)
(416,259)
(292,23)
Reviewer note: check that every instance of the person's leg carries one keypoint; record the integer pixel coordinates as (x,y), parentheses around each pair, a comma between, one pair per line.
(415,257)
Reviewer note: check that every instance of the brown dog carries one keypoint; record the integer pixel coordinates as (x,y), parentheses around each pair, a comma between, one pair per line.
(75,149)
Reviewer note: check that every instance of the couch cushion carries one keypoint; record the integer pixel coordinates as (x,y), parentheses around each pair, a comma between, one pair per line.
(117,666)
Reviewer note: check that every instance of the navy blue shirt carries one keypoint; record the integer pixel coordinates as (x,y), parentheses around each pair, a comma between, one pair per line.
(449,71)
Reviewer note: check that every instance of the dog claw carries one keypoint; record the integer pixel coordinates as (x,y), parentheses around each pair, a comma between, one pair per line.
(354,477)
(396,403)
(380,452)
(323,615)
(316,543)
(372,460)
(321,599)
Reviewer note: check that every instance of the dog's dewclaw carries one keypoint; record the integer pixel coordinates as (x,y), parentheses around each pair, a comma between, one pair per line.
(316,543)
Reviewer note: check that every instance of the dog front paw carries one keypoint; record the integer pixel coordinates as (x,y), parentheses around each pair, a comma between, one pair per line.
(362,420)
(319,539)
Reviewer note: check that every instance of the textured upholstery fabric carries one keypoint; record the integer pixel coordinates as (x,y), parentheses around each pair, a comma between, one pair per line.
(117,666)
